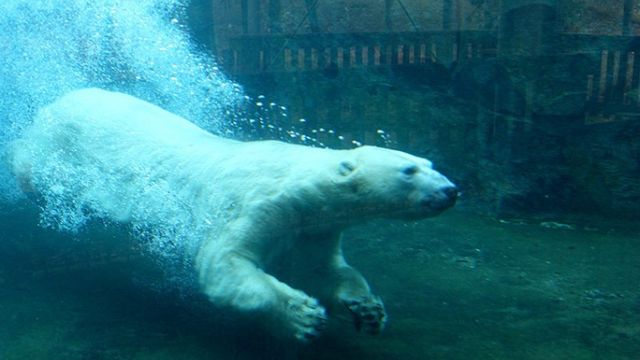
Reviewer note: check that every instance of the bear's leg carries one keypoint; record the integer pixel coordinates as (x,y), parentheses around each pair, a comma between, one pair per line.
(354,293)
(234,280)
(346,286)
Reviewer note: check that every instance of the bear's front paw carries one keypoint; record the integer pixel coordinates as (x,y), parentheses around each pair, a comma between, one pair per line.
(368,313)
(307,318)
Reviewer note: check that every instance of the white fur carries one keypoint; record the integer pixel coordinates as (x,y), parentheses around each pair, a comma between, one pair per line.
(262,204)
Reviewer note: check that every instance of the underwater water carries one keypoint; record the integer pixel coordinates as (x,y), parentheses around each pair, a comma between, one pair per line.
(455,287)
(516,271)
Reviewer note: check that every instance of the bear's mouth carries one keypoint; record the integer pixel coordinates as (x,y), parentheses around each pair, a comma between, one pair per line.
(441,199)
(437,205)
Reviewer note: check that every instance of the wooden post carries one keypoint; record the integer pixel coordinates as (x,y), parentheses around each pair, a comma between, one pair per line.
(602,85)
(314,59)
(590,87)
(528,96)
(628,80)
(301,60)
(616,70)
(365,56)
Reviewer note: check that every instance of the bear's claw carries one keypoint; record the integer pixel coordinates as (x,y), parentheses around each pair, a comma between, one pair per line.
(368,313)
(308,319)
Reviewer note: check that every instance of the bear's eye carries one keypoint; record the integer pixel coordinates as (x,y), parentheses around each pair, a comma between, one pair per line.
(410,170)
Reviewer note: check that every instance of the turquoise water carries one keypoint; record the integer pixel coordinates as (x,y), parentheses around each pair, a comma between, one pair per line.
(457,287)
(539,260)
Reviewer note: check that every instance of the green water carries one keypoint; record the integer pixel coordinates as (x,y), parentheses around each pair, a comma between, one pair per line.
(531,107)
(459,286)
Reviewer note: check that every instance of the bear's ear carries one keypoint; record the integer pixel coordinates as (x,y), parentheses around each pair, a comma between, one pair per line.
(346,167)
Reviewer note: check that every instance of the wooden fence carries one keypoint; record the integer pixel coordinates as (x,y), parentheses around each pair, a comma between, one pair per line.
(264,53)
(613,90)
(612,86)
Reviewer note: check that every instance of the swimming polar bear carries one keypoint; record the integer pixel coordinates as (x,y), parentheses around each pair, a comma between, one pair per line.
(270,210)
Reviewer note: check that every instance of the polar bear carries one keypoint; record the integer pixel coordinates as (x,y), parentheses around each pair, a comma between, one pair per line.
(271,211)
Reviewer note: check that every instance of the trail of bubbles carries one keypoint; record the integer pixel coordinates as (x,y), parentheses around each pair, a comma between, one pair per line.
(141,47)
(261,119)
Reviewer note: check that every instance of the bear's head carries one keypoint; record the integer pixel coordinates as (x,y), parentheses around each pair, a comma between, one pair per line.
(394,184)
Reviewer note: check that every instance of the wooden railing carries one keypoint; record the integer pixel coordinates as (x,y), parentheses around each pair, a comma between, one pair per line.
(271,53)
(612,85)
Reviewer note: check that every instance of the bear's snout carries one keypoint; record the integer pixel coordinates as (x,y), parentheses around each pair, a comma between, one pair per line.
(442,199)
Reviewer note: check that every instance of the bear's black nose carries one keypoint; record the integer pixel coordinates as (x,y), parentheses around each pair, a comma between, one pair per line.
(445,197)
(451,192)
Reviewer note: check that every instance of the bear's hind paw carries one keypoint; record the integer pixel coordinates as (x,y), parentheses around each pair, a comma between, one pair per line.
(368,313)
